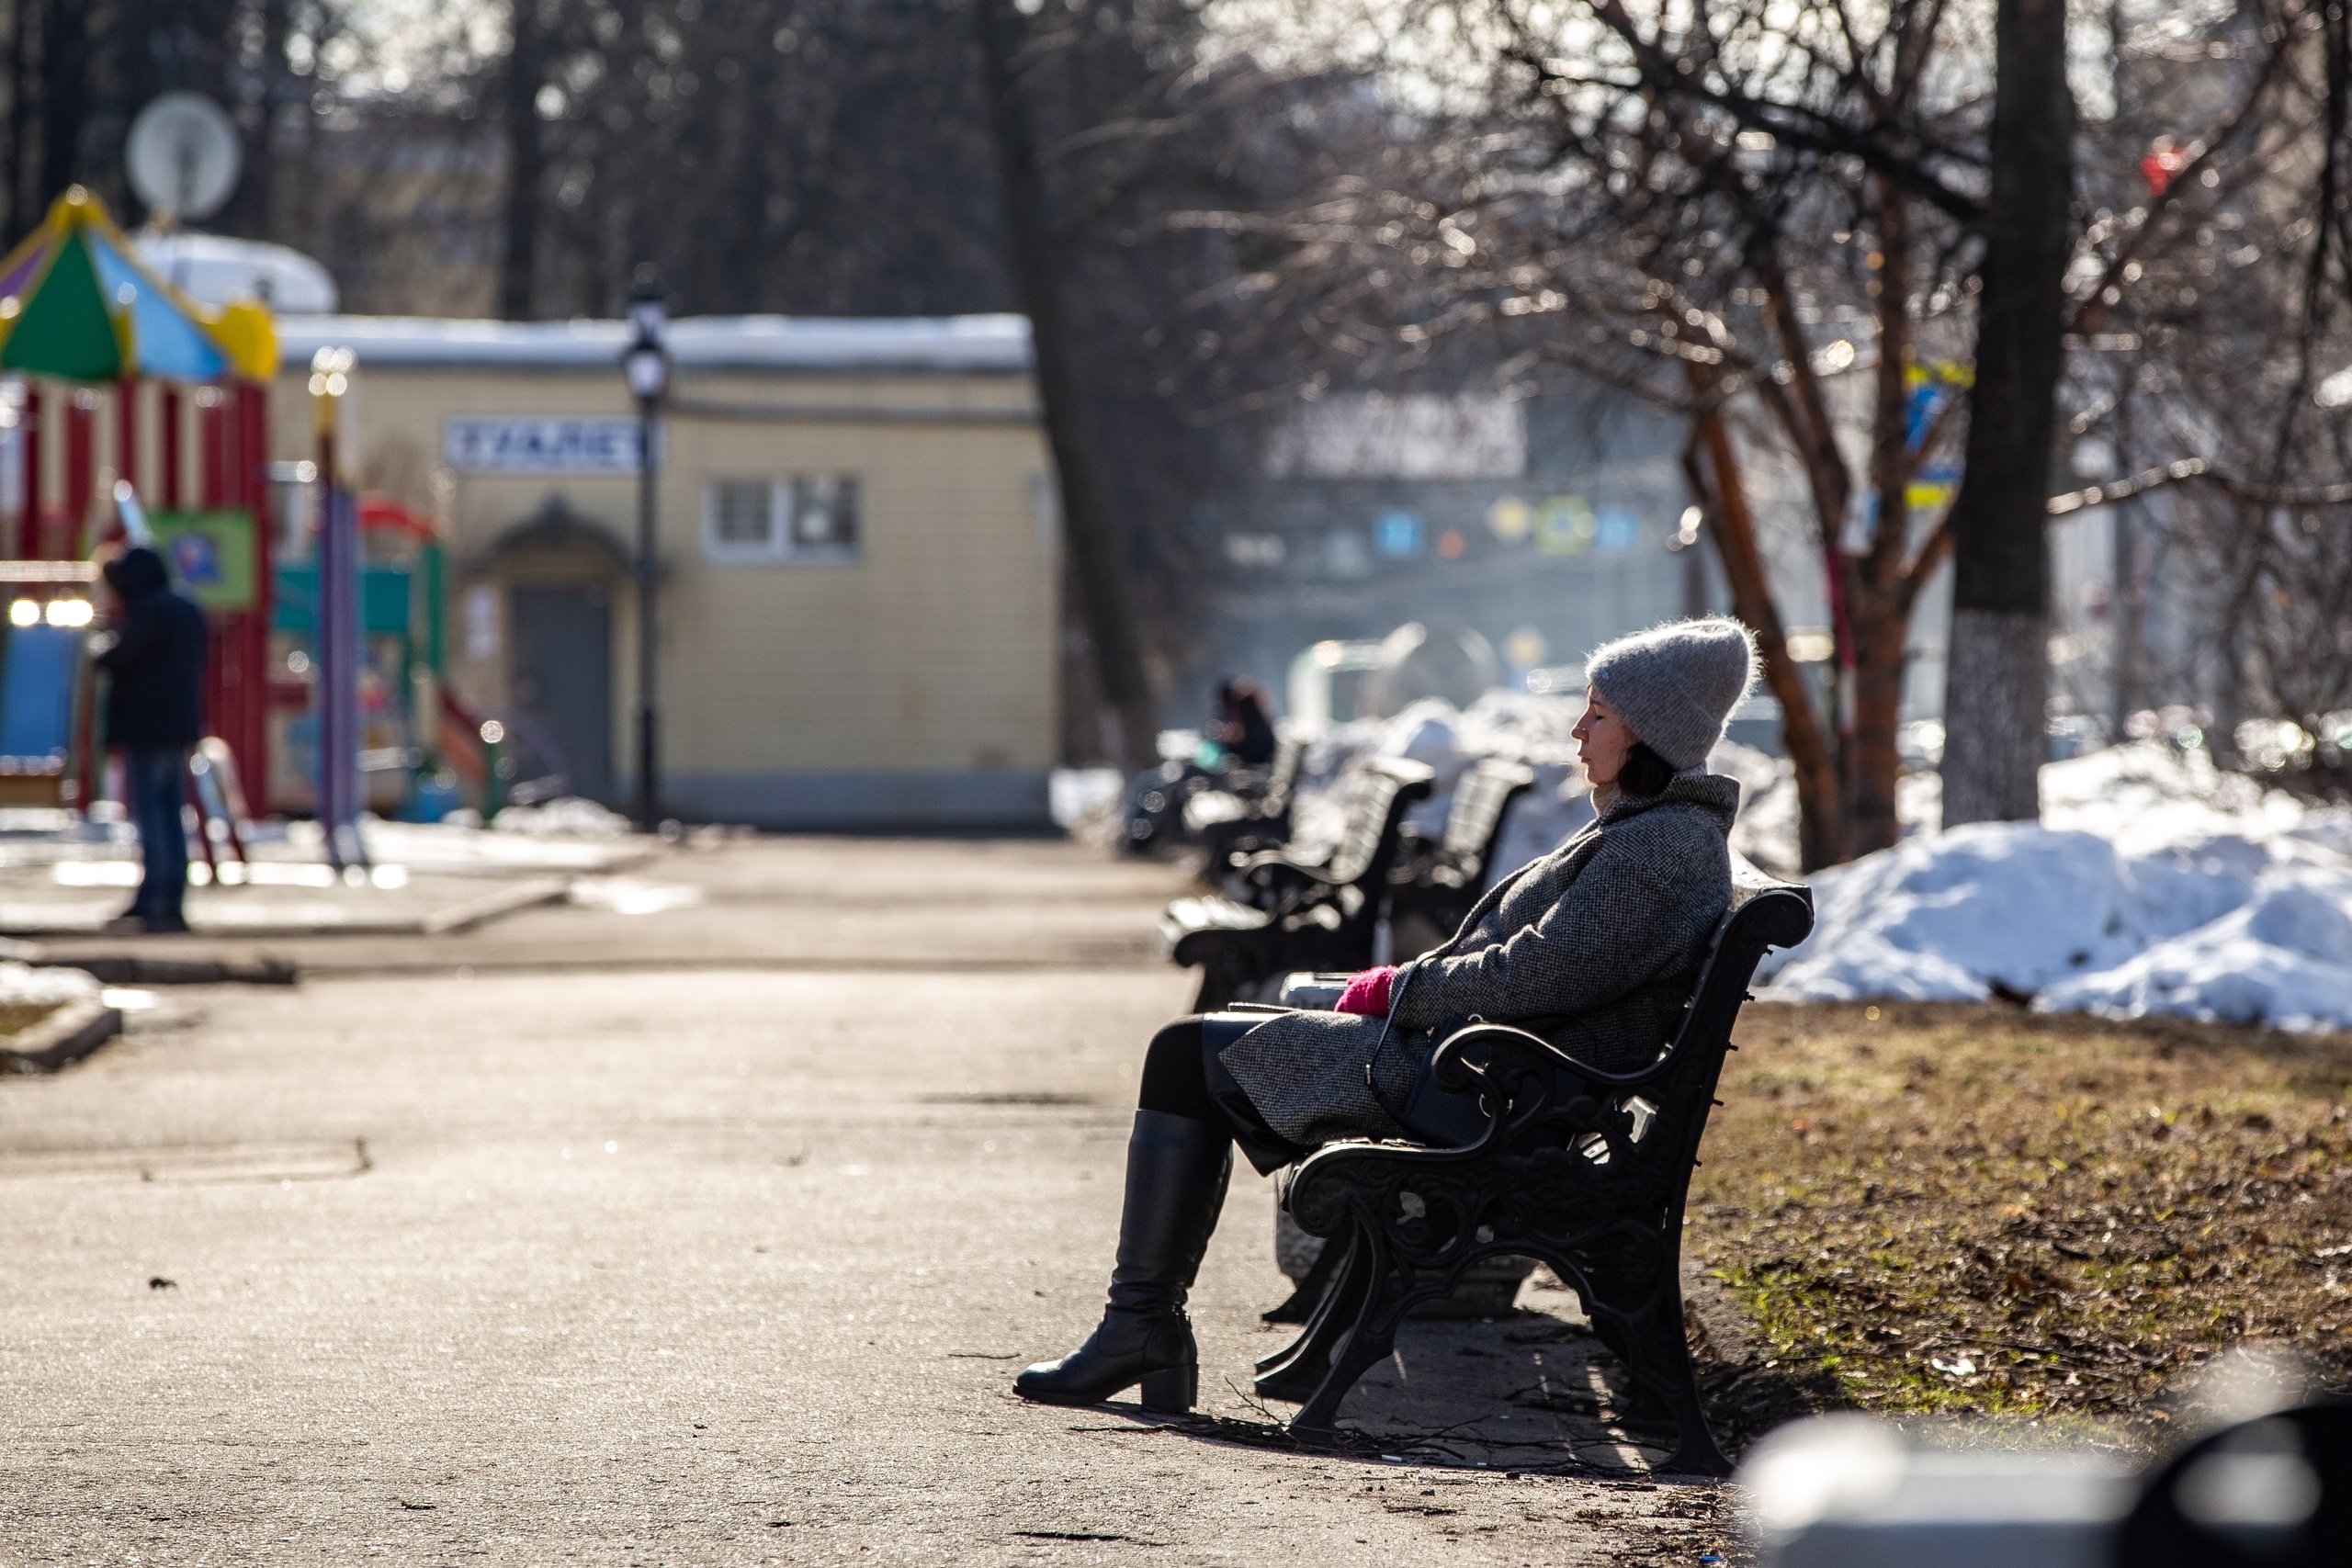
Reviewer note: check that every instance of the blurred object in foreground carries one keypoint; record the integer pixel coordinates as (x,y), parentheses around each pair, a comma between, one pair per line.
(1075,795)
(1848,1490)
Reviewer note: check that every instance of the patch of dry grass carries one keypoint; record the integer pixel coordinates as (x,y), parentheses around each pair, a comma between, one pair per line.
(1972,1209)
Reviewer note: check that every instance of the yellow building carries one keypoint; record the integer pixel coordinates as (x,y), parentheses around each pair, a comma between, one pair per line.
(856,540)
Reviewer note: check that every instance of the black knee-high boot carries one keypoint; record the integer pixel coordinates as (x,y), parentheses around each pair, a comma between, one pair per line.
(1177,1170)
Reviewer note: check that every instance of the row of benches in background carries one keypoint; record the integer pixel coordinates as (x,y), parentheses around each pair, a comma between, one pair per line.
(1282,910)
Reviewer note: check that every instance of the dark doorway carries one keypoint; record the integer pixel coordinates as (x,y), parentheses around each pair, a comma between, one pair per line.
(563,677)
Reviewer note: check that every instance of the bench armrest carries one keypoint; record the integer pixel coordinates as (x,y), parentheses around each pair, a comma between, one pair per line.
(1270,867)
(1507,1051)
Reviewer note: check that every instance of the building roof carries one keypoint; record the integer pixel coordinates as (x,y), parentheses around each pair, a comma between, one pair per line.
(217,268)
(998,342)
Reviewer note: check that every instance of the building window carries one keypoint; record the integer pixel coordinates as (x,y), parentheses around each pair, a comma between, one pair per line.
(802,518)
(825,514)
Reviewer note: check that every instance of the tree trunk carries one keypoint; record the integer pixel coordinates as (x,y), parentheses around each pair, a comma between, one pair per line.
(1717,482)
(525,159)
(1878,595)
(1873,763)
(24,205)
(252,209)
(1994,717)
(1997,677)
(1090,528)
(64,98)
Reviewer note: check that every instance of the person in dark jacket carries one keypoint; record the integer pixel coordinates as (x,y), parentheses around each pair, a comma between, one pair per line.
(1241,726)
(1594,946)
(154,712)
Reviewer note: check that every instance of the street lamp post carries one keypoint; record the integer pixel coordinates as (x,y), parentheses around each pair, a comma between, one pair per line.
(645,364)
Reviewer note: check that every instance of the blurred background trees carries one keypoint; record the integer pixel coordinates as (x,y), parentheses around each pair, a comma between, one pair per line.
(1778,223)
(823,157)
(1852,244)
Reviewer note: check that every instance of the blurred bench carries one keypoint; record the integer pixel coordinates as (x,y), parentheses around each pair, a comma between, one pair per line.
(1252,814)
(1304,915)
(1583,1169)
(1437,883)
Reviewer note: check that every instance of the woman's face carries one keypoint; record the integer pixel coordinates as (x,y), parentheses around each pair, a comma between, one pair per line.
(1602,740)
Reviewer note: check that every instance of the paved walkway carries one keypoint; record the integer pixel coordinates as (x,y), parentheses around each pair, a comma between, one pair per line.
(711,1235)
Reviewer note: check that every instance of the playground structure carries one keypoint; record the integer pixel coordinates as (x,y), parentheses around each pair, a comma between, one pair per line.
(126,389)
(81,317)
(410,728)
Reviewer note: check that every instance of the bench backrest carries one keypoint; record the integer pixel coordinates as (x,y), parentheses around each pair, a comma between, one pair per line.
(1282,777)
(1474,819)
(1380,791)
(1764,913)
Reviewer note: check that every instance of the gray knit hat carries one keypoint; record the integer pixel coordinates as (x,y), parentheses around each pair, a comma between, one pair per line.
(1676,684)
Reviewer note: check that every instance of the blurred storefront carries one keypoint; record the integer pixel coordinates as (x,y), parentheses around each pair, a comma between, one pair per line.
(857,554)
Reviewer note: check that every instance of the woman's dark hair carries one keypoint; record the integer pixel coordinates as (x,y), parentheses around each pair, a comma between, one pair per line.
(1644,772)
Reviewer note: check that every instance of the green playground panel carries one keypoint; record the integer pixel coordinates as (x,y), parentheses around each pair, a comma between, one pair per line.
(211,555)
(384,600)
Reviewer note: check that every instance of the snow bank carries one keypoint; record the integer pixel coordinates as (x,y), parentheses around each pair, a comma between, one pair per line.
(2284,958)
(2154,884)
(567,815)
(21,983)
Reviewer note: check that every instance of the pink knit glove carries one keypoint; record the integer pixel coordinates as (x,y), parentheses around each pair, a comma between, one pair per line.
(1368,992)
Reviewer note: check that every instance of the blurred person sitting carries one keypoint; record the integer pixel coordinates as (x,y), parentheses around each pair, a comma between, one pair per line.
(154,712)
(1241,726)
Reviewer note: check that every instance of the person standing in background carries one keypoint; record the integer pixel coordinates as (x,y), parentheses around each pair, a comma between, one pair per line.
(155,711)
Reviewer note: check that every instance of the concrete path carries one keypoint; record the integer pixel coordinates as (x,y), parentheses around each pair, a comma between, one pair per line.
(692,1237)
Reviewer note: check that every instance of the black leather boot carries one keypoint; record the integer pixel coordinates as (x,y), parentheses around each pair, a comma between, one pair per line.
(1177,1170)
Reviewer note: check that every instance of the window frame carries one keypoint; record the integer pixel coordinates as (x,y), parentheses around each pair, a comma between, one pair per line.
(781,549)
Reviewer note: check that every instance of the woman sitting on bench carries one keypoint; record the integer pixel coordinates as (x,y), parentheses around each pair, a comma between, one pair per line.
(1592,946)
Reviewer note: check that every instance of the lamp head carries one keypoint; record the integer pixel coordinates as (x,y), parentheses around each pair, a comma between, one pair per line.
(648,310)
(646,367)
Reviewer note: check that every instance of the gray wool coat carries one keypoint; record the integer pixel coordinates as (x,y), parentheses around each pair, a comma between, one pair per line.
(1595,947)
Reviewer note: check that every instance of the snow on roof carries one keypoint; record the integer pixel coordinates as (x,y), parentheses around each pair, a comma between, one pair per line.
(699,343)
(217,268)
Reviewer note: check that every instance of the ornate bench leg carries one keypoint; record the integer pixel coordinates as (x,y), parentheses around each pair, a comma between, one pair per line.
(1695,1452)
(1369,1338)
(1658,1354)
(1297,1370)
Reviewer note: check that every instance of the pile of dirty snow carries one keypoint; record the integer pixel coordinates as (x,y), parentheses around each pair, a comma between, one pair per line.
(22,985)
(2154,884)
(566,815)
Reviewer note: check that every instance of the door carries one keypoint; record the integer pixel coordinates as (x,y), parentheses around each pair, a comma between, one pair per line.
(563,677)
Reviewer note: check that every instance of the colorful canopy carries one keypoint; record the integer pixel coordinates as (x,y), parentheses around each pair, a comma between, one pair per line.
(76,302)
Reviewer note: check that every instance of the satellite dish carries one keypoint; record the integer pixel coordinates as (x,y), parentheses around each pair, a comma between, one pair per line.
(183,155)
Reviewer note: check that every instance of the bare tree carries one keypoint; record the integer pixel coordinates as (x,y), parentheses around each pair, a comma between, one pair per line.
(524,76)
(2211,339)
(1805,226)
(1040,245)
(1763,225)
(1997,677)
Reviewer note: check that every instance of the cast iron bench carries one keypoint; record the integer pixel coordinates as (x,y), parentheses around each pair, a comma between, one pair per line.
(1312,917)
(1250,815)
(1583,1169)
(1437,883)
